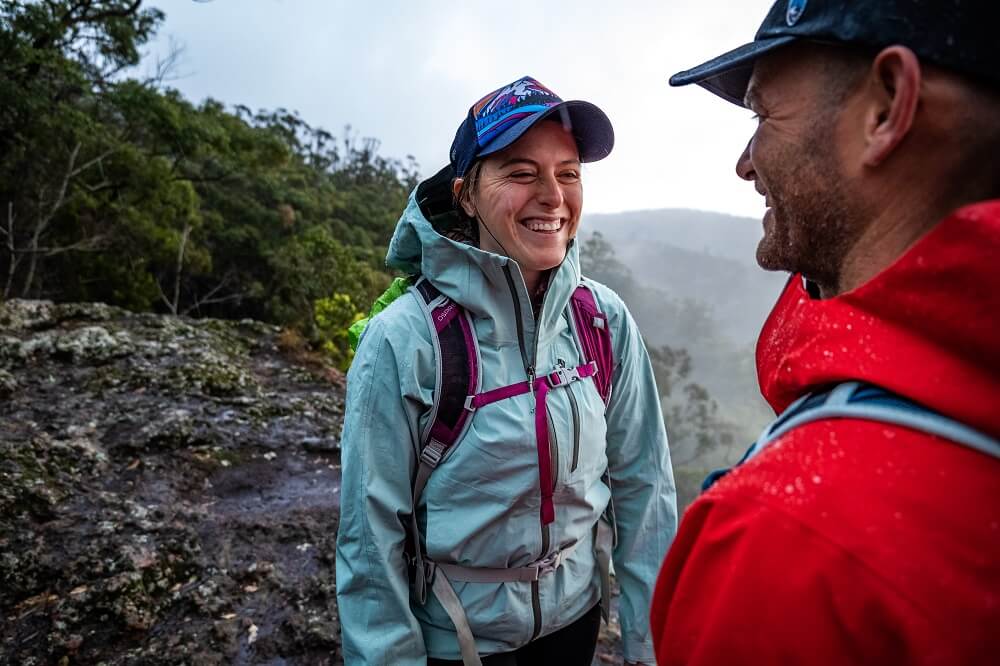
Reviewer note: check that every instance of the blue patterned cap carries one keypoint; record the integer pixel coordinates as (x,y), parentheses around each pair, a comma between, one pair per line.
(500,118)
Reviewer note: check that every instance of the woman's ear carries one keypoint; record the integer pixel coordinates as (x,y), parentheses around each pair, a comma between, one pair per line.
(464,202)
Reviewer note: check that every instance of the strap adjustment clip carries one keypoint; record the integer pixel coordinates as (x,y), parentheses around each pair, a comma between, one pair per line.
(431,454)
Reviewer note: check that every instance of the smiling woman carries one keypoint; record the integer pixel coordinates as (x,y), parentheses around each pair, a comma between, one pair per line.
(528,199)
(495,413)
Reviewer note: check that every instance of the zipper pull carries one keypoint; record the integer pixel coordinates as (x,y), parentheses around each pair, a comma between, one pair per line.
(531,383)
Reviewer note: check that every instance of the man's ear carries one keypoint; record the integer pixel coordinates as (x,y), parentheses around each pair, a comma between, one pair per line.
(894,92)
(456,188)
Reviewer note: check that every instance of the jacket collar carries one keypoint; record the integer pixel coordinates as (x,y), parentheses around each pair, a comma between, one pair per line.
(926,327)
(488,285)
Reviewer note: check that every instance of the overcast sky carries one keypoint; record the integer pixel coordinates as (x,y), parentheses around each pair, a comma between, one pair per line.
(406,73)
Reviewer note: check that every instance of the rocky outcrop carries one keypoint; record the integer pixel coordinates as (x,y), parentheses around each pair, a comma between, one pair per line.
(168,490)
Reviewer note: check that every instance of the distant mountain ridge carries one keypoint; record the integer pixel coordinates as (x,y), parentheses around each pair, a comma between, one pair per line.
(699,255)
(705,232)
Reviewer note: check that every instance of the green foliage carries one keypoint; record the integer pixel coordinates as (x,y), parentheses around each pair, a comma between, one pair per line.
(115,189)
(394,291)
(334,315)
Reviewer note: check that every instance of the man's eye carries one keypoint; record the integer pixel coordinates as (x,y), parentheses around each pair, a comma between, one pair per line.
(570,175)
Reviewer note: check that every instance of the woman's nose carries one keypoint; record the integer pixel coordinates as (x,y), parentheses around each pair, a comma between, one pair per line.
(550,192)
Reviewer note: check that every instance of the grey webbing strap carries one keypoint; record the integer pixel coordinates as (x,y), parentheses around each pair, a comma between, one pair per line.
(445,594)
(603,544)
(529,573)
(419,572)
(837,405)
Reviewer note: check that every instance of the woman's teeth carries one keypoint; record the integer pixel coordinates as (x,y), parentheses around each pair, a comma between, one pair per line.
(543,226)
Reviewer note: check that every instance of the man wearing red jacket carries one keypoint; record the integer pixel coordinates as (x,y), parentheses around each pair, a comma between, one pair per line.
(850,540)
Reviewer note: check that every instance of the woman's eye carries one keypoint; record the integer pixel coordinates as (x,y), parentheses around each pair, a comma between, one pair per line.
(522,175)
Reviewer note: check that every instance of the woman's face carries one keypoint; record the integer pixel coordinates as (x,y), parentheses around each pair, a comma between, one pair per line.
(529,197)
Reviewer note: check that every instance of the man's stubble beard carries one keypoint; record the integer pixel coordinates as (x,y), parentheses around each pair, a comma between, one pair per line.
(814,221)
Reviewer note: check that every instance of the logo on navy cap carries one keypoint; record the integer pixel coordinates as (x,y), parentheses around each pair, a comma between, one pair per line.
(794,13)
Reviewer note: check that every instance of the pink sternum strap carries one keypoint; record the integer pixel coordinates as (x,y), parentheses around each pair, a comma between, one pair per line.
(542,385)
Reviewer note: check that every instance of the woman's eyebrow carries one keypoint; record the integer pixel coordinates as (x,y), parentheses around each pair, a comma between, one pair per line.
(518,160)
(526,160)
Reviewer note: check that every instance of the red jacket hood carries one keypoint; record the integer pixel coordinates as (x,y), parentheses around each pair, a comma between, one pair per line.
(927,327)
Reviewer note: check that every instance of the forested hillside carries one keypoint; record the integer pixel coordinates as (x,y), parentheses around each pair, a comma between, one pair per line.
(114,188)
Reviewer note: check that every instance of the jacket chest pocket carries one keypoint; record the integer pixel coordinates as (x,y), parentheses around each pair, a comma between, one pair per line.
(576,417)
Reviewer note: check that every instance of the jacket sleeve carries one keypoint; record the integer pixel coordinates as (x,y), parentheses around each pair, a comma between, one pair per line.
(642,485)
(378,456)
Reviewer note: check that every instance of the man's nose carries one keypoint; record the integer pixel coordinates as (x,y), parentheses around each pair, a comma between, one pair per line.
(744,167)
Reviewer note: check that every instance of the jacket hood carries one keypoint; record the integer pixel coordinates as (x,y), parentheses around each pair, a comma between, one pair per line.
(926,327)
(482,282)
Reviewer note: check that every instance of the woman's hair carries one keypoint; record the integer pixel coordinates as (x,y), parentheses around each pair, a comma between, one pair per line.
(461,226)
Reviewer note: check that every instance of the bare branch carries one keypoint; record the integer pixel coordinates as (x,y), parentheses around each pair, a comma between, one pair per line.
(163,297)
(14,259)
(92,244)
(96,160)
(210,298)
(180,265)
(43,222)
(166,66)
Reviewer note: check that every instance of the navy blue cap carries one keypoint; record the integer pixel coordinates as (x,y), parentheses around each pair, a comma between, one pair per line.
(956,34)
(500,118)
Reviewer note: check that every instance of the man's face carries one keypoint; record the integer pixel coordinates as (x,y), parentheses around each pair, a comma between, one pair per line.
(793,159)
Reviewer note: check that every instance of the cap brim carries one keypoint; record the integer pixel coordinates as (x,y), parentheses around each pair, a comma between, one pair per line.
(590,127)
(728,75)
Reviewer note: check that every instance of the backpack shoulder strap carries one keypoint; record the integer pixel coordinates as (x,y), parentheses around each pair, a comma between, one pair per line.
(859,400)
(458,373)
(456,354)
(590,326)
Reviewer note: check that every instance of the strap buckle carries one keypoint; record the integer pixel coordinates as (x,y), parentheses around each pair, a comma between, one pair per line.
(562,376)
(469,403)
(431,454)
(550,563)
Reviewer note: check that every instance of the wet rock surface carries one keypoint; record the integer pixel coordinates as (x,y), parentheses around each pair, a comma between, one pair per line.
(169,490)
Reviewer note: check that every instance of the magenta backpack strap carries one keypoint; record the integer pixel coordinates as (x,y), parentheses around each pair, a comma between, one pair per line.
(457,356)
(594,335)
(457,359)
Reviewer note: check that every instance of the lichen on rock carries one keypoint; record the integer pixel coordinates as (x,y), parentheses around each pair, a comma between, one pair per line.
(153,486)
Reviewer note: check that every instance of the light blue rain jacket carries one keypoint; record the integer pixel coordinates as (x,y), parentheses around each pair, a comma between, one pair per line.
(481,507)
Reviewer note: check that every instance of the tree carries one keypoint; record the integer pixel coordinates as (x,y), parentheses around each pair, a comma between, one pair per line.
(58,59)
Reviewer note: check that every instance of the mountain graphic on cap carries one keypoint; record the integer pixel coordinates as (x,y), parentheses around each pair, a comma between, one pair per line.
(505,106)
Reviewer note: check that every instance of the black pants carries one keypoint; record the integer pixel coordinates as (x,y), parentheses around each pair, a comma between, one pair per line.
(573,645)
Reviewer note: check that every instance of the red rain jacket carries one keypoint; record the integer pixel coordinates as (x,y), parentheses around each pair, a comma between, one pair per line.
(849,541)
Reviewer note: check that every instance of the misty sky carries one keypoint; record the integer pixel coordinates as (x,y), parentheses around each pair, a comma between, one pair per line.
(407,72)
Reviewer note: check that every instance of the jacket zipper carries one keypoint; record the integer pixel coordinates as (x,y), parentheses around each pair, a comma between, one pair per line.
(575,409)
(553,450)
(536,609)
(529,368)
(518,320)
